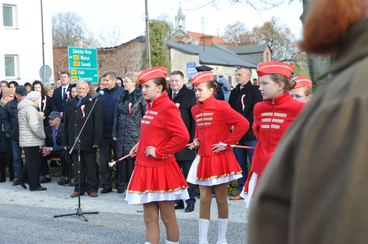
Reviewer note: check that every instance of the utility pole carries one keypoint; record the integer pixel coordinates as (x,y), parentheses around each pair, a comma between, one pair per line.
(43,46)
(148,42)
(202,20)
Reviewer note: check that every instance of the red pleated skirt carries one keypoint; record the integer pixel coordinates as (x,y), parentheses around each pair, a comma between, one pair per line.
(216,169)
(160,183)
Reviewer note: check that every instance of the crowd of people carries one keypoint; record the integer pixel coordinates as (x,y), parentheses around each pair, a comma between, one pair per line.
(305,184)
(166,136)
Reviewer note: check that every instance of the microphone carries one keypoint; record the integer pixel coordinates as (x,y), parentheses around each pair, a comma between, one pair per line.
(100,93)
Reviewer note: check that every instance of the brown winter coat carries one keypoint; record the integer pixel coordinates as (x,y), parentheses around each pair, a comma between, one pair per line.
(314,190)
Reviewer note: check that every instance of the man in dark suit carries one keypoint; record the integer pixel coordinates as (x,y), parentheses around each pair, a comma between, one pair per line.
(109,99)
(62,93)
(242,99)
(53,147)
(184,99)
(76,112)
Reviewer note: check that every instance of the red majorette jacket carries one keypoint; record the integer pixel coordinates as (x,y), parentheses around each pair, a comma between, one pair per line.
(214,119)
(163,128)
(271,120)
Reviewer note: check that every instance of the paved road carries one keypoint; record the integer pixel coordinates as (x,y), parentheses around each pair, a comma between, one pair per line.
(27,217)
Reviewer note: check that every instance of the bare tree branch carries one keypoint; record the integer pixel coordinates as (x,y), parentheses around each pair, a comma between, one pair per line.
(212,2)
(68,28)
(263,4)
(110,38)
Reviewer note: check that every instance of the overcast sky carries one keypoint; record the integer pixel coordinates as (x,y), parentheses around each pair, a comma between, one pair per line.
(127,16)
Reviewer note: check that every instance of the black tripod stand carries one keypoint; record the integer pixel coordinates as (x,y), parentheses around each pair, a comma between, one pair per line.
(79,211)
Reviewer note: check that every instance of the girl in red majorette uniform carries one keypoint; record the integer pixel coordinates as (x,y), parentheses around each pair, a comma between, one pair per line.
(215,164)
(272,117)
(157,181)
(302,90)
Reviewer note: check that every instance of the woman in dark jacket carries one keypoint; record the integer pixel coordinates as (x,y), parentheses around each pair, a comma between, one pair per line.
(44,104)
(129,112)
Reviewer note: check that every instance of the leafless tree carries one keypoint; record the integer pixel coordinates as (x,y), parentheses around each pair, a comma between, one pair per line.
(68,29)
(110,38)
(234,31)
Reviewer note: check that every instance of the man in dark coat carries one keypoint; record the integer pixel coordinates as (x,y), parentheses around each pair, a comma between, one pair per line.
(108,100)
(242,99)
(11,127)
(5,145)
(62,93)
(75,114)
(184,99)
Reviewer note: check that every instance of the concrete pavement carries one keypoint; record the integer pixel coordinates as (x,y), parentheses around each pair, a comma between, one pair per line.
(27,217)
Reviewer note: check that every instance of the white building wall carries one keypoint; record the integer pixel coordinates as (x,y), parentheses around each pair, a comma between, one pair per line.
(25,40)
(225,72)
(179,60)
(228,71)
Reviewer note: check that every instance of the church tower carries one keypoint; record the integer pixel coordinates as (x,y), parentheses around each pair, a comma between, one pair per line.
(180,20)
(180,35)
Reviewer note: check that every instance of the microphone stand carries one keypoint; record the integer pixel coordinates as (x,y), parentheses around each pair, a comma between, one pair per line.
(76,143)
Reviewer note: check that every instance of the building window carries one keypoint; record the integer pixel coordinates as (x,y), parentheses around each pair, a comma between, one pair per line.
(9,15)
(11,66)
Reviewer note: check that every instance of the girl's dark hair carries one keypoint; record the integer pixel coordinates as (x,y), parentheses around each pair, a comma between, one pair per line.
(36,82)
(161,81)
(278,78)
(14,83)
(73,85)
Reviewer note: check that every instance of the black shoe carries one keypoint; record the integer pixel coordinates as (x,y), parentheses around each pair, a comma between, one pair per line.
(189,208)
(2,180)
(39,189)
(106,190)
(19,183)
(121,190)
(16,183)
(23,185)
(45,179)
(179,205)
(62,181)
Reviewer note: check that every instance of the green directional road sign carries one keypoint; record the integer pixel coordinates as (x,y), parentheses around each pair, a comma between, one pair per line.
(83,64)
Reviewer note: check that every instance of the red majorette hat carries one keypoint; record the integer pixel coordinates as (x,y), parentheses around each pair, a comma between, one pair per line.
(302,81)
(202,77)
(152,73)
(275,67)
